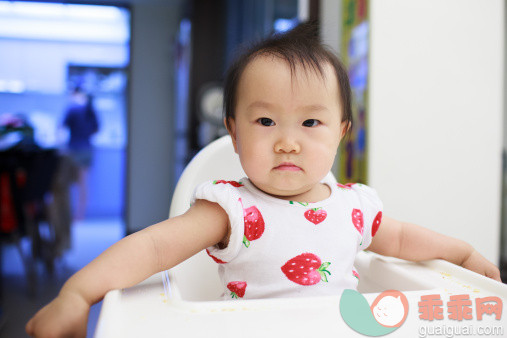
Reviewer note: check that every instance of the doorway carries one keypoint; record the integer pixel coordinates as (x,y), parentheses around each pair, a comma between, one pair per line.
(48,49)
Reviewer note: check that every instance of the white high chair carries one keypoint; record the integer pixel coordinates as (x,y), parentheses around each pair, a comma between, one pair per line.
(183,300)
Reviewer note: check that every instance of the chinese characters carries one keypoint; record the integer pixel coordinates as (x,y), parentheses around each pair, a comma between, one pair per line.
(459,307)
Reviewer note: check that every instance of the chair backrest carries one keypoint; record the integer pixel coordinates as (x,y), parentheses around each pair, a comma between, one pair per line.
(197,278)
(215,161)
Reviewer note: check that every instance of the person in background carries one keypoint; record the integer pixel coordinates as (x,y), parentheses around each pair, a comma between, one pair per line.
(81,120)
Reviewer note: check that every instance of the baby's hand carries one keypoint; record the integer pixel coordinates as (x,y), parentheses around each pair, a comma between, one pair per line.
(65,316)
(477,263)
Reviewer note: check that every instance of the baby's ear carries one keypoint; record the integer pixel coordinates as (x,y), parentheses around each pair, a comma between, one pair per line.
(345,127)
(231,129)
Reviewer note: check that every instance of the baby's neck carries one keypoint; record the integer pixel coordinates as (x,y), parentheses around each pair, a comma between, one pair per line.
(318,193)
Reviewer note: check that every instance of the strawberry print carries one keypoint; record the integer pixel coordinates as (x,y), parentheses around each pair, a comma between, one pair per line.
(237,289)
(376,223)
(357,219)
(306,269)
(315,215)
(354,272)
(254,224)
(219,261)
(347,186)
(233,183)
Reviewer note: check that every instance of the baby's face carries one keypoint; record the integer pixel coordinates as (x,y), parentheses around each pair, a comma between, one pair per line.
(287,128)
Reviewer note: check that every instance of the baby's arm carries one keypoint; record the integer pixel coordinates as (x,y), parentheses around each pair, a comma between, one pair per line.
(415,243)
(128,262)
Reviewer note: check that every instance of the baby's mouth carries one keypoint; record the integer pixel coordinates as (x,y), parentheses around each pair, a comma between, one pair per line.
(287,166)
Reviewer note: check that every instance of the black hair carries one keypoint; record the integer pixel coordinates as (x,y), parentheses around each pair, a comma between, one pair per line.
(300,46)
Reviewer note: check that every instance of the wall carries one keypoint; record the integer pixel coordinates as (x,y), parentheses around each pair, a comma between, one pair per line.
(504,193)
(150,147)
(436,115)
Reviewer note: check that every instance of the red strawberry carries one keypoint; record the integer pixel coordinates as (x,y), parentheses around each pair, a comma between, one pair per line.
(254,224)
(354,272)
(237,289)
(376,223)
(233,183)
(357,219)
(306,269)
(316,215)
(219,261)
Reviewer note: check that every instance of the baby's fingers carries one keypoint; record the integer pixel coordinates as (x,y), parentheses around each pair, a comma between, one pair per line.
(494,274)
(29,327)
(63,317)
(32,324)
(34,328)
(478,263)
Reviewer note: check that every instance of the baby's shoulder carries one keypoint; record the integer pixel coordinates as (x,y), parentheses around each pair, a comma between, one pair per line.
(219,190)
(220,185)
(356,187)
(359,191)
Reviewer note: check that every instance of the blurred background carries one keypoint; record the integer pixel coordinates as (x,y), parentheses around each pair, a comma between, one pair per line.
(103,103)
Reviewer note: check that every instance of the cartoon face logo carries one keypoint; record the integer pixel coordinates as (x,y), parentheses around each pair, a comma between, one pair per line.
(385,315)
(390,308)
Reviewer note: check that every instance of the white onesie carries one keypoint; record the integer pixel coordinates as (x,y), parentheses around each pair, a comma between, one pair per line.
(280,248)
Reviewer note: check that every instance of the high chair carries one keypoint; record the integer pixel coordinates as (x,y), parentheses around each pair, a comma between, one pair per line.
(184,299)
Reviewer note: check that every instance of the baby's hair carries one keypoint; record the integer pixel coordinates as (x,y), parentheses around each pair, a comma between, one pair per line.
(300,46)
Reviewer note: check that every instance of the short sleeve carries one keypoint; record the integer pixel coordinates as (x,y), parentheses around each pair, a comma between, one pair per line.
(227,195)
(371,208)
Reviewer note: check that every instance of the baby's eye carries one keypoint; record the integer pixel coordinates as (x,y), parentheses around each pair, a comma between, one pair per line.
(266,121)
(311,123)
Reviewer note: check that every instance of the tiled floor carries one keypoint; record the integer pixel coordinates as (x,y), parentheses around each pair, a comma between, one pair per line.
(89,239)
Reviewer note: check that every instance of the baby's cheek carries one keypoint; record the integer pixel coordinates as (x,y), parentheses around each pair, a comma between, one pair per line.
(323,157)
(254,166)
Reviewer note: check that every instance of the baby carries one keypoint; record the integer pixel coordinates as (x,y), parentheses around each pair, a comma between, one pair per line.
(286,230)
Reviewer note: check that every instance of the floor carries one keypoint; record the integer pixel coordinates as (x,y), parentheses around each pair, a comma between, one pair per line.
(89,239)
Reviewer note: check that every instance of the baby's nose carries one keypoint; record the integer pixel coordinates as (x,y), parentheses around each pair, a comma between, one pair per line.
(287,145)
